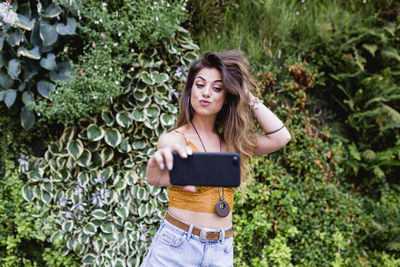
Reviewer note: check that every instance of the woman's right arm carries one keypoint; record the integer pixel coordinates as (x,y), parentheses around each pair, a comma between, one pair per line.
(158,166)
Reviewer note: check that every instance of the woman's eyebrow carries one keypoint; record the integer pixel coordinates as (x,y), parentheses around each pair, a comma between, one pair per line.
(219,81)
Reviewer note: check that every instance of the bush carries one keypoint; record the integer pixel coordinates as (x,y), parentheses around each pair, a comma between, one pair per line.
(112,35)
(300,210)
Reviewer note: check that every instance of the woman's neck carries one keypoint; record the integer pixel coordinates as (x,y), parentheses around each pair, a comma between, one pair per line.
(204,124)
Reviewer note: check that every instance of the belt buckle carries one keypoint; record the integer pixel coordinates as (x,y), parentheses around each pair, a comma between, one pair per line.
(203,234)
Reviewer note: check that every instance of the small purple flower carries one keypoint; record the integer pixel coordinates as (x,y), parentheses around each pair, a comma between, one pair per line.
(25,164)
(143,228)
(99,197)
(63,202)
(69,215)
(79,206)
(79,189)
(100,180)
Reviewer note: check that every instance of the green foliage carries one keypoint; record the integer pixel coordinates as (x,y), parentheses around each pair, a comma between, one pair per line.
(110,36)
(92,178)
(31,39)
(384,233)
(360,79)
(299,211)
(273,29)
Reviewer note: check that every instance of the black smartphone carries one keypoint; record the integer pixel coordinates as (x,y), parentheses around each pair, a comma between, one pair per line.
(220,169)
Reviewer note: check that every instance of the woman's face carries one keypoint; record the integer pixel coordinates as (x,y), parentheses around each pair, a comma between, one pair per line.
(208,93)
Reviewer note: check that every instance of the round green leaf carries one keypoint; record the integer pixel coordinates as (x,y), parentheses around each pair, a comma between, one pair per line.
(138,115)
(49,63)
(27,118)
(99,214)
(131,177)
(98,245)
(95,133)
(140,96)
(68,29)
(27,193)
(107,118)
(159,77)
(46,197)
(85,158)
(14,68)
(145,76)
(75,148)
(53,10)
(113,137)
(106,227)
(24,22)
(64,72)
(89,259)
(167,119)
(56,237)
(5,81)
(34,53)
(124,146)
(9,97)
(48,33)
(138,145)
(83,178)
(153,111)
(90,229)
(27,97)
(107,154)
(14,38)
(163,197)
(142,210)
(124,119)
(122,212)
(44,87)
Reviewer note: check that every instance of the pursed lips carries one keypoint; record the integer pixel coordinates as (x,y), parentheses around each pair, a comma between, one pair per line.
(204,102)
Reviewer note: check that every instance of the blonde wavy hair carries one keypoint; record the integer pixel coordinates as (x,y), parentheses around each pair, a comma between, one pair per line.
(234,121)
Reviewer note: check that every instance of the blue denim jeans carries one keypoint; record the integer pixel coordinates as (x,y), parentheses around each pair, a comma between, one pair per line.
(174,247)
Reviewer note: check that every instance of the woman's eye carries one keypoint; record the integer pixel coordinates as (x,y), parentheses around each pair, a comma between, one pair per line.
(199,85)
(217,89)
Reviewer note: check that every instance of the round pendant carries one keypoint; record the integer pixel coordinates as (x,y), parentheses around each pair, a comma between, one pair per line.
(222,208)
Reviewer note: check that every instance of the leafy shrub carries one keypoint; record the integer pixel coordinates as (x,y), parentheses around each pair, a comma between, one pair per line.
(360,83)
(22,236)
(92,178)
(31,39)
(111,35)
(300,210)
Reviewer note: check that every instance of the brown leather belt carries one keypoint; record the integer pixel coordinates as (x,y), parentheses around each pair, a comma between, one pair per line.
(204,233)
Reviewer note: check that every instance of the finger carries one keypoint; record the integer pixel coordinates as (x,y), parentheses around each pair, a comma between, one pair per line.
(189,188)
(159,160)
(189,150)
(167,156)
(182,151)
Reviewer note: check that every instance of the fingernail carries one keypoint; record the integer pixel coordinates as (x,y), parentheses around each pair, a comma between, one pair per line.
(162,166)
(184,155)
(189,151)
(170,166)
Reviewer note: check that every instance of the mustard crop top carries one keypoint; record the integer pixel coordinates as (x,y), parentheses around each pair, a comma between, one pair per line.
(204,199)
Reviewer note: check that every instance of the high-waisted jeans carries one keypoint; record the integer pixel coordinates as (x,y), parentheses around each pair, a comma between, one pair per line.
(174,247)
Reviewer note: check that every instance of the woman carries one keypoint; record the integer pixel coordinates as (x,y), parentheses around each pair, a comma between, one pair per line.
(216,108)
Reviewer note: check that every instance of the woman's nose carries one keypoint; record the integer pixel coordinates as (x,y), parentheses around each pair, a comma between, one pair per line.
(206,91)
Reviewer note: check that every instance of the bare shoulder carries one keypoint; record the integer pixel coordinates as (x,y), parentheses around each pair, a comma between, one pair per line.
(170,138)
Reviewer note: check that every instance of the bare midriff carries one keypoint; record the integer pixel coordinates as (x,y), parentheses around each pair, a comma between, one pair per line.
(202,219)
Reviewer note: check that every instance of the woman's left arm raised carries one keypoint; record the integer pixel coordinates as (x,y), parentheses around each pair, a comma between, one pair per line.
(276,136)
